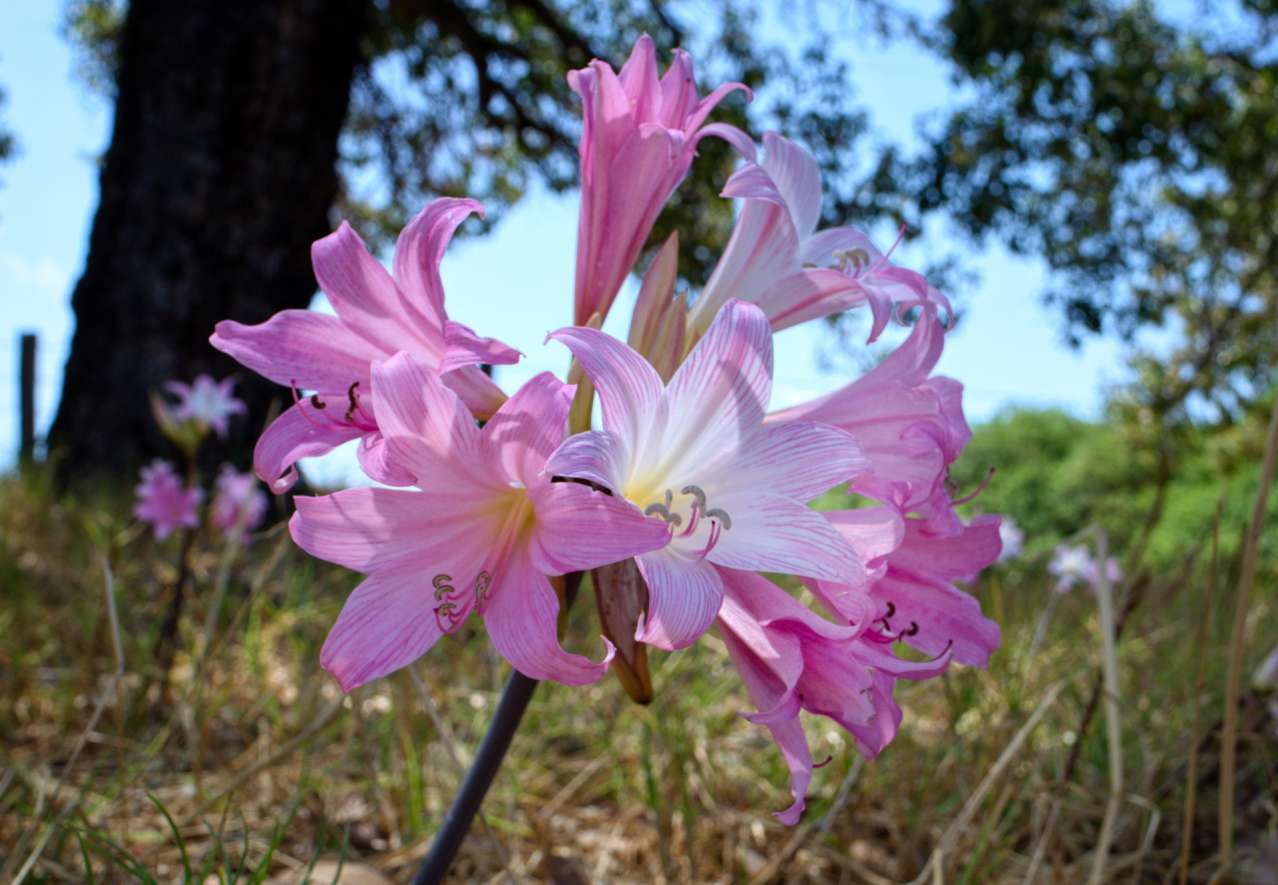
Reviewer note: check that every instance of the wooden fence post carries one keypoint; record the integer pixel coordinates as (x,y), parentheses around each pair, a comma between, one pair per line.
(26,383)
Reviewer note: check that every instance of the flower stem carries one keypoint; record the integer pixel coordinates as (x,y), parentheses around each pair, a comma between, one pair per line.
(510,709)
(501,730)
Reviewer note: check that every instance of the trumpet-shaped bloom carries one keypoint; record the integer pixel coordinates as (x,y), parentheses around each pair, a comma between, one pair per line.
(912,596)
(777,259)
(238,503)
(164,502)
(482,536)
(909,424)
(638,139)
(791,659)
(208,402)
(695,453)
(378,315)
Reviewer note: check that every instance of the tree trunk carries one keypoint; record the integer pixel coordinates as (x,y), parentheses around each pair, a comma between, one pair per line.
(220,174)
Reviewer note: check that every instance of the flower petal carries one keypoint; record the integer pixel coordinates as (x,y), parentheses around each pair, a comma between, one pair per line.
(684,596)
(796,460)
(528,427)
(373,530)
(579,528)
(717,398)
(299,348)
(797,179)
(629,388)
(596,455)
(365,297)
(522,617)
(388,622)
(301,431)
(465,348)
(427,428)
(770,533)
(419,251)
(477,390)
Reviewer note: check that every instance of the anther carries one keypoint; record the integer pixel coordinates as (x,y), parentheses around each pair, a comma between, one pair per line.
(724,519)
(823,763)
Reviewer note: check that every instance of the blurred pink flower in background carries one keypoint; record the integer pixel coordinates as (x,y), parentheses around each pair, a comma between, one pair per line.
(206,401)
(1072,565)
(1013,540)
(238,503)
(164,502)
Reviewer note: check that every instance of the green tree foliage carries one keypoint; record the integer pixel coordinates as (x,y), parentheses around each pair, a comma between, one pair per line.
(471,97)
(1056,475)
(1133,151)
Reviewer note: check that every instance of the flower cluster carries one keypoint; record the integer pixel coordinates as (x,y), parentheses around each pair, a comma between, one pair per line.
(689,497)
(164,501)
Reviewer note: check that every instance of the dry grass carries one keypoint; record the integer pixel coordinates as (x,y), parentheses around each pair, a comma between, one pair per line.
(256,767)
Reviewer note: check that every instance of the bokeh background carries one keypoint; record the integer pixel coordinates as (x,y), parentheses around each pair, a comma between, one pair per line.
(1093,183)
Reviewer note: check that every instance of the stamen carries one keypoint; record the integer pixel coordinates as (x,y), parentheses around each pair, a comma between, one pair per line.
(696,492)
(693,521)
(980,487)
(900,235)
(824,762)
(482,582)
(713,540)
(720,515)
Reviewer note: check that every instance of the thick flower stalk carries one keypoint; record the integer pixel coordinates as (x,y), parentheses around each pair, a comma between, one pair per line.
(638,139)
(482,535)
(378,315)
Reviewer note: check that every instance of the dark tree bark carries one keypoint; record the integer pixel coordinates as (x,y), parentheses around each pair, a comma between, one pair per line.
(220,173)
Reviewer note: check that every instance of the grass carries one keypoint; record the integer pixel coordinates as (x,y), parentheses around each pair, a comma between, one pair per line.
(255,768)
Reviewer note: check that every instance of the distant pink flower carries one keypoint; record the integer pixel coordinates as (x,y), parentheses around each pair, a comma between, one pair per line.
(1073,565)
(1013,540)
(486,529)
(638,139)
(377,316)
(695,452)
(238,503)
(908,422)
(778,260)
(791,659)
(206,401)
(164,502)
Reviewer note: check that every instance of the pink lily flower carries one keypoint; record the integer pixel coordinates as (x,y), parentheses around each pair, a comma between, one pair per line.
(206,401)
(791,659)
(911,595)
(778,260)
(638,139)
(696,453)
(909,424)
(482,538)
(164,502)
(378,315)
(238,504)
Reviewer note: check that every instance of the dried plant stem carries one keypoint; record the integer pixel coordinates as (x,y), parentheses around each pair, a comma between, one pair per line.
(108,692)
(946,843)
(1200,684)
(1247,579)
(1113,714)
(166,641)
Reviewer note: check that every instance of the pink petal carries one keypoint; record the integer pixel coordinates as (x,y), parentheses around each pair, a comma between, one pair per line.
(873,532)
(798,460)
(596,455)
(375,459)
(522,619)
(946,617)
(528,427)
(299,348)
(684,595)
(465,348)
(629,389)
(957,557)
(770,533)
(419,251)
(301,431)
(797,179)
(477,390)
(579,528)
(376,530)
(719,395)
(428,429)
(388,622)
(638,78)
(364,295)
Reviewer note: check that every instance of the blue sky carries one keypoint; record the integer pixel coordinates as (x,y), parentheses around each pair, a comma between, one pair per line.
(515,284)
